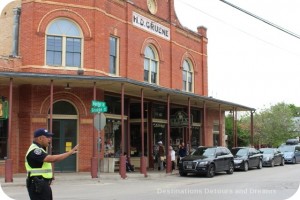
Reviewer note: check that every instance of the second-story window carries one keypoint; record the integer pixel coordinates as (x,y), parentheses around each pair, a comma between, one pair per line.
(113,55)
(187,76)
(63,44)
(150,65)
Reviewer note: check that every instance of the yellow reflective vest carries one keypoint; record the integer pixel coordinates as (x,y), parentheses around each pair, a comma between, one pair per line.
(45,170)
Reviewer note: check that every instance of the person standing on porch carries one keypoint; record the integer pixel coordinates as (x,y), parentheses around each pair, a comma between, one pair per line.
(182,151)
(161,156)
(172,152)
(38,164)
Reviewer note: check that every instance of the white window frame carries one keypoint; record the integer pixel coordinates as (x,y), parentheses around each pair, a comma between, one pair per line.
(116,56)
(150,61)
(185,74)
(64,44)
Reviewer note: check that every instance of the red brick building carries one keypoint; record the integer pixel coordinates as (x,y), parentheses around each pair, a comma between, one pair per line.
(135,56)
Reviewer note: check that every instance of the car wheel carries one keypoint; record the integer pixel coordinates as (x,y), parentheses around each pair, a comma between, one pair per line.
(231,168)
(246,166)
(294,160)
(181,173)
(259,165)
(282,162)
(211,171)
(272,163)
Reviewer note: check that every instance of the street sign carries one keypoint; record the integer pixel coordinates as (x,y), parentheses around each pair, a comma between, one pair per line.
(98,109)
(98,106)
(99,121)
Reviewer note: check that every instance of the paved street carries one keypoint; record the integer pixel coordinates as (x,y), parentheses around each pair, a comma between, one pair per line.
(276,183)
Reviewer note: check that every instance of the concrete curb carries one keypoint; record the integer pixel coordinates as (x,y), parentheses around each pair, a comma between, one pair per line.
(19,179)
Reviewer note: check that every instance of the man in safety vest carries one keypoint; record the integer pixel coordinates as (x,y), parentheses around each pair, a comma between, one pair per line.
(39,167)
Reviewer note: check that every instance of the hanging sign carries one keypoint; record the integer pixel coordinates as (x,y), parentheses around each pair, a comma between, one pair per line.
(3,109)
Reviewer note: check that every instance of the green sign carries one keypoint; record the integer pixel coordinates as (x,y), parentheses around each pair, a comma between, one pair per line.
(98,104)
(3,109)
(98,107)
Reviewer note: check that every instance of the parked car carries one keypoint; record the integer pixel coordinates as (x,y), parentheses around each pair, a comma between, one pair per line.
(208,161)
(246,157)
(291,152)
(272,157)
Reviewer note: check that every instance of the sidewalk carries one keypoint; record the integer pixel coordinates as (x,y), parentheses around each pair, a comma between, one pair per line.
(19,179)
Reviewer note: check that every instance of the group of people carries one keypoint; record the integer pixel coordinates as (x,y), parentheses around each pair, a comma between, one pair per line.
(38,163)
(182,152)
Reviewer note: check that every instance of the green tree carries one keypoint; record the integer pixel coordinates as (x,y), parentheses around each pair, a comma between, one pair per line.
(243,137)
(295,110)
(272,126)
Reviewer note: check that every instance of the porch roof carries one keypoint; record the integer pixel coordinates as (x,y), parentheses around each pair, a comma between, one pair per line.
(131,88)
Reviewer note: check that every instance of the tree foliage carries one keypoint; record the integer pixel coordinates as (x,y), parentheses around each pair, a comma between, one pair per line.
(243,135)
(272,126)
(275,125)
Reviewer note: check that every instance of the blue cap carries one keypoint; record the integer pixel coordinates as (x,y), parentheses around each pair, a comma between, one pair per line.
(42,131)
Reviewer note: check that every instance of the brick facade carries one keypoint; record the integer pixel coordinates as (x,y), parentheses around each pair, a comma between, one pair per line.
(98,20)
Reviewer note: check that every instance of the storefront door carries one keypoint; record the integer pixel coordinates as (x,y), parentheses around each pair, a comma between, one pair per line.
(64,139)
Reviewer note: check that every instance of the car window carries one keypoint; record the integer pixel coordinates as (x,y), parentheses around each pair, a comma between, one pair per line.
(242,152)
(267,151)
(286,148)
(204,151)
(210,152)
(219,152)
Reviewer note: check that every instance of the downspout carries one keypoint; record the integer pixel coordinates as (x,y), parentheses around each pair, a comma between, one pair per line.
(16,25)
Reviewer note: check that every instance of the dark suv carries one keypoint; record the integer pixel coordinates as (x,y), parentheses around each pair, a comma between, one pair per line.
(246,157)
(207,160)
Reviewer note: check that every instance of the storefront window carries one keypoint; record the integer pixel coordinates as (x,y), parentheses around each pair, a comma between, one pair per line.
(159,131)
(136,140)
(135,110)
(112,141)
(113,104)
(196,115)
(3,138)
(159,111)
(195,137)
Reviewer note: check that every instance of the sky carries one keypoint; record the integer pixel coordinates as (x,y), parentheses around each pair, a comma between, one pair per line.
(249,62)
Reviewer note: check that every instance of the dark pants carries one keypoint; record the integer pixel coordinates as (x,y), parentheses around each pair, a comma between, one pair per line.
(173,165)
(44,192)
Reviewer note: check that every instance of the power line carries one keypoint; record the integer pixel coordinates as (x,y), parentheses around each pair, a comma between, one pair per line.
(238,29)
(263,20)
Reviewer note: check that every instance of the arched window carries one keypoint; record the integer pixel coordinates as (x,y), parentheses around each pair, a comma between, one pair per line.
(187,76)
(150,65)
(64,44)
(63,108)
